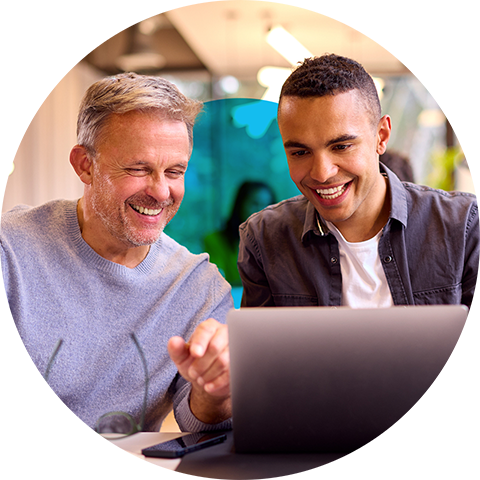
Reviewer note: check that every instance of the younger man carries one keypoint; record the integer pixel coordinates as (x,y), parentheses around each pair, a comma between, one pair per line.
(357,236)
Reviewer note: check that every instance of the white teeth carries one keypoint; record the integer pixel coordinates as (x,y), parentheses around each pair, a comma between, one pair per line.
(331,193)
(146,211)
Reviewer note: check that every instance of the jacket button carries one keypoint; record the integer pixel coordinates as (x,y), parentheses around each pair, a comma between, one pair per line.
(334,260)
(388,259)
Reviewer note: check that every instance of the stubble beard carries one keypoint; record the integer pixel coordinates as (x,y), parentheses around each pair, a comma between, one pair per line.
(145,237)
(119,225)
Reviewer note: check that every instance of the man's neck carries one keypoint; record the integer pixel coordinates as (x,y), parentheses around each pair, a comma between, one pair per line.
(366,227)
(113,251)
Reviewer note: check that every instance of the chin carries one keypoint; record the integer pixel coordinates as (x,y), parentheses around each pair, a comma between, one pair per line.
(139,240)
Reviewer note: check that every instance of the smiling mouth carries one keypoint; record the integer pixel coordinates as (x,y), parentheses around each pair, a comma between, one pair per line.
(332,193)
(150,212)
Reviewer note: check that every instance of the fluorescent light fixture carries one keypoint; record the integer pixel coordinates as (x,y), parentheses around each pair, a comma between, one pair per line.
(6,168)
(134,62)
(287,45)
(152,24)
(272,78)
(268,76)
(271,94)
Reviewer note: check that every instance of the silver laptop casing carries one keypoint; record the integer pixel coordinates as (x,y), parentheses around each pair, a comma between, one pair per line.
(327,379)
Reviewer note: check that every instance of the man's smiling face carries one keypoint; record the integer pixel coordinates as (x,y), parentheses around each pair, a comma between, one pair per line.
(137,182)
(332,148)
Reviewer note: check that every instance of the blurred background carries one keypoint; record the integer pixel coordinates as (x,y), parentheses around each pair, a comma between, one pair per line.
(234,56)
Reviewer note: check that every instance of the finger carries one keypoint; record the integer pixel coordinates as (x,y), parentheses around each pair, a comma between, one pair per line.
(179,353)
(177,349)
(219,387)
(202,335)
(220,365)
(217,345)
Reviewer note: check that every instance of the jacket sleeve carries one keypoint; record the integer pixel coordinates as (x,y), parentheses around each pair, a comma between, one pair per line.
(256,289)
(470,271)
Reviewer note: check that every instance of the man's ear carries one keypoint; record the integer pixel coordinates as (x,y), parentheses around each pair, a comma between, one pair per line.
(82,164)
(384,131)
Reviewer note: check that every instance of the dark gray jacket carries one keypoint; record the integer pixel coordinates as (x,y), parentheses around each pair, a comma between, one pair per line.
(429,250)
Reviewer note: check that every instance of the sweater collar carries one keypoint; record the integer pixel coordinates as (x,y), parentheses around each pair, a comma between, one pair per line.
(96,260)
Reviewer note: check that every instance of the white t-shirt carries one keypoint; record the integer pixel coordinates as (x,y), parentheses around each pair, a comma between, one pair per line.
(364,283)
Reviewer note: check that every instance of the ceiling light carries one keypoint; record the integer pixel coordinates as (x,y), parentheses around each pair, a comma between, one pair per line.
(136,62)
(6,168)
(140,55)
(287,45)
(229,84)
(268,76)
(272,78)
(152,24)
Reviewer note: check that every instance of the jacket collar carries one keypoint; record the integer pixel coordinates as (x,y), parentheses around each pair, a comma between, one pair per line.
(399,211)
(398,196)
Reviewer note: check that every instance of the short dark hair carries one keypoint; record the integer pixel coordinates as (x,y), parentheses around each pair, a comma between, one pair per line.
(329,75)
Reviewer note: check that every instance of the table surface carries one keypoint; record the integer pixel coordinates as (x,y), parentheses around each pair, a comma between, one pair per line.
(121,458)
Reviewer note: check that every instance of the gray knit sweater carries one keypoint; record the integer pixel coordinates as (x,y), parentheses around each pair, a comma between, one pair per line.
(58,287)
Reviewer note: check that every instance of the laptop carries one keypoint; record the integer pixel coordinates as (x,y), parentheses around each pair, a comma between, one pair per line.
(331,379)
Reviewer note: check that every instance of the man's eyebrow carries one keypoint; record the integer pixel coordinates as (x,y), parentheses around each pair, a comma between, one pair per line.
(134,162)
(148,163)
(340,139)
(292,144)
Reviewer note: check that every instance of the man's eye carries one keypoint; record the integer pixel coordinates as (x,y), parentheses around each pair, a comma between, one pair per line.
(136,171)
(341,147)
(175,173)
(299,153)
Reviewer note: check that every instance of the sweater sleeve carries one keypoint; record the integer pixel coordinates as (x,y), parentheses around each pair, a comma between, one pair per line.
(3,278)
(185,418)
(222,302)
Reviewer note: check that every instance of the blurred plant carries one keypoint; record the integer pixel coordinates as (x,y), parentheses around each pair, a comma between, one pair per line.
(442,168)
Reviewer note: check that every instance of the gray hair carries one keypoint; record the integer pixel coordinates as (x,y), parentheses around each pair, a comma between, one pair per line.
(128,92)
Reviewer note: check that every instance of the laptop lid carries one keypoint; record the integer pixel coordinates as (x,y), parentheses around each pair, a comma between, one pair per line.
(331,379)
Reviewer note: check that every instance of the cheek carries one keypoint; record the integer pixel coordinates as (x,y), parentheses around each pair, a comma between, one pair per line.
(177,191)
(297,172)
(129,186)
(362,163)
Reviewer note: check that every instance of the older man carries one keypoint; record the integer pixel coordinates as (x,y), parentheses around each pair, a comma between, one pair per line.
(92,272)
(357,236)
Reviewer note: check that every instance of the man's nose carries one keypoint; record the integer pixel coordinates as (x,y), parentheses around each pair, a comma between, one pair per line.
(323,168)
(158,187)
